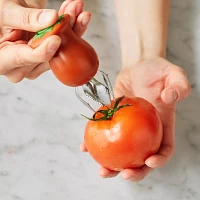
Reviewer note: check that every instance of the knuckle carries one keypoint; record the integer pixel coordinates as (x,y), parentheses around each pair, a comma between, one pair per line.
(45,57)
(25,18)
(19,60)
(181,71)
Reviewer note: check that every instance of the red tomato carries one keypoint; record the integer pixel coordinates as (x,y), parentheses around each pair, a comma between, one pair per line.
(75,62)
(125,134)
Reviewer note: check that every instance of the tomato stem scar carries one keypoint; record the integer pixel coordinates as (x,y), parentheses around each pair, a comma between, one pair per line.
(108,114)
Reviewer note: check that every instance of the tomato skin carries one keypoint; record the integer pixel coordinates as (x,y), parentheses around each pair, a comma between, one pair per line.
(125,141)
(75,62)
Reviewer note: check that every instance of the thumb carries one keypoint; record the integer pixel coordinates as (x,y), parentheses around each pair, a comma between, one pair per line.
(29,19)
(177,89)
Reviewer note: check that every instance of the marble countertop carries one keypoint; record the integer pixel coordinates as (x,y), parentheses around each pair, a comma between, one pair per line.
(41,127)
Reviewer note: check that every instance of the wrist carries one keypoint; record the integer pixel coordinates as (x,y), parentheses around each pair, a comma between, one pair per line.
(142,29)
(139,47)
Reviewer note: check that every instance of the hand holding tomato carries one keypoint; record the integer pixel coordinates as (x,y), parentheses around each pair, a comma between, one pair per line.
(18,59)
(163,85)
(75,62)
(124,134)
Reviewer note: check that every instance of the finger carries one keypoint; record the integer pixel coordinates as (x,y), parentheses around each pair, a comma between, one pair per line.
(83,148)
(82,23)
(167,146)
(10,35)
(63,6)
(19,55)
(44,52)
(74,9)
(16,75)
(106,173)
(31,72)
(136,174)
(37,71)
(160,159)
(30,19)
(178,87)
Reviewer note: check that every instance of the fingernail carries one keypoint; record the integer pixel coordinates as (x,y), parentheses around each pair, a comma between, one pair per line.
(85,21)
(171,96)
(46,16)
(79,8)
(53,46)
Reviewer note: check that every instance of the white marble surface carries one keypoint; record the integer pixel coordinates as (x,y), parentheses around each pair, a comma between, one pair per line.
(40,125)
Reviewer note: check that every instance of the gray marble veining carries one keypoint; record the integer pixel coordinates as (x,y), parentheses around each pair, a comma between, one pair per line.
(41,127)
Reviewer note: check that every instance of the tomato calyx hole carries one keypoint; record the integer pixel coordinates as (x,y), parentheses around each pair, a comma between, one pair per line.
(42,32)
(101,115)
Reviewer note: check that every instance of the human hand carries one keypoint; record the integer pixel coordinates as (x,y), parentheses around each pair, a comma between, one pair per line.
(162,84)
(18,59)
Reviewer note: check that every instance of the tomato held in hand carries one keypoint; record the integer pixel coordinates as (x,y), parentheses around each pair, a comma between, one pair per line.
(124,134)
(75,62)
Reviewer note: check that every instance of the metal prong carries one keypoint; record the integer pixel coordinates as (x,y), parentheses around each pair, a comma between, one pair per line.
(97,91)
(102,93)
(82,100)
(90,90)
(108,84)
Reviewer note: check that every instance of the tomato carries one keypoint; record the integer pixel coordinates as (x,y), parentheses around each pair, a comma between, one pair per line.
(124,134)
(76,61)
